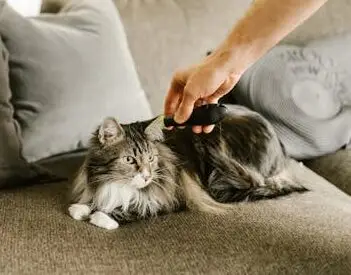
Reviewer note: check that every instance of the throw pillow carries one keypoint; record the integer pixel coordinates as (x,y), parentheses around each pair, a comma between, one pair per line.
(305,94)
(25,7)
(335,46)
(68,71)
(14,170)
(335,167)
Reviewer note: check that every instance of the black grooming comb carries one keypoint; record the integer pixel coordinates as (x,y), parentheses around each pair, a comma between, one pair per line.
(204,115)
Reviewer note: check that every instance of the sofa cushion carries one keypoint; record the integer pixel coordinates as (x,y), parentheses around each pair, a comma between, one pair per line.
(335,168)
(182,31)
(68,71)
(26,8)
(301,234)
(305,94)
(331,19)
(14,169)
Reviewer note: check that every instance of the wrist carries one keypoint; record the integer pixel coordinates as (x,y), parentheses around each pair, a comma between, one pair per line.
(265,24)
(235,55)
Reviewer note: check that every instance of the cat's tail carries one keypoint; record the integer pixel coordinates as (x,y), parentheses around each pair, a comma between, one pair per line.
(245,184)
(197,198)
(278,185)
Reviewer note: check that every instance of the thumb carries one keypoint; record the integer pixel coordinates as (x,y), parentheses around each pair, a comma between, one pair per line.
(186,107)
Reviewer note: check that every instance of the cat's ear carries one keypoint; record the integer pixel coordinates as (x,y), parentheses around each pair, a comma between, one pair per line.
(154,130)
(110,131)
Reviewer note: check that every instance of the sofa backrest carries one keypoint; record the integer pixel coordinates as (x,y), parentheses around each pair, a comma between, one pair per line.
(165,35)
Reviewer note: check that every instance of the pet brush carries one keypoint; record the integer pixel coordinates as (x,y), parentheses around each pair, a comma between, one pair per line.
(208,114)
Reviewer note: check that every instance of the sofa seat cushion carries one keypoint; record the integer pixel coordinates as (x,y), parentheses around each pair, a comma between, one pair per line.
(301,234)
(335,167)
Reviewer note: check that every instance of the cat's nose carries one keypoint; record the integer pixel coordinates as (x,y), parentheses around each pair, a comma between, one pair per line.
(146,175)
(147,178)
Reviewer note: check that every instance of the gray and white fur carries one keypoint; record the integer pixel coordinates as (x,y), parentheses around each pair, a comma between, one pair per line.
(139,170)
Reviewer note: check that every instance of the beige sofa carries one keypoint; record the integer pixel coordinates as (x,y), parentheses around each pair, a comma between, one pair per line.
(301,234)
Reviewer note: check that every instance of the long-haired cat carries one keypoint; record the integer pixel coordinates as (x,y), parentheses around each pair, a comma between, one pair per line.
(139,170)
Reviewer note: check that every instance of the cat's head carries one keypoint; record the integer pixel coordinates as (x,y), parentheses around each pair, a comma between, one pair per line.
(125,154)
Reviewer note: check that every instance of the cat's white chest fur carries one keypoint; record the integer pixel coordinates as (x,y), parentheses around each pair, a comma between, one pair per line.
(112,195)
(126,196)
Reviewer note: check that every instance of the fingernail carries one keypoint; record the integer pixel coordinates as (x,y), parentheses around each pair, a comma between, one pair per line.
(197,129)
(181,127)
(176,117)
(208,129)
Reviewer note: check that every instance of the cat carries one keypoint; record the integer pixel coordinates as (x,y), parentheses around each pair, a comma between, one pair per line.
(140,170)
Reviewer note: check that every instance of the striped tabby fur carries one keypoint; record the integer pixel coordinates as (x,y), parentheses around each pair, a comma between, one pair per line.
(138,170)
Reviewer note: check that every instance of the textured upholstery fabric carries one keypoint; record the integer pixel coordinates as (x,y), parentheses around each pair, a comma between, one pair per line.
(68,71)
(333,18)
(301,234)
(335,167)
(180,33)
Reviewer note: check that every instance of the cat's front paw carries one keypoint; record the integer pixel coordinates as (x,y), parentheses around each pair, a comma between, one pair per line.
(79,211)
(102,220)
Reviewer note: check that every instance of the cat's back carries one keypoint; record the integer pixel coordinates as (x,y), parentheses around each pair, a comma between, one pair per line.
(242,134)
(241,122)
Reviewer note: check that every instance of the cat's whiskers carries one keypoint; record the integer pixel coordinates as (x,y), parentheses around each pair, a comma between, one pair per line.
(108,179)
(179,164)
(160,174)
(163,177)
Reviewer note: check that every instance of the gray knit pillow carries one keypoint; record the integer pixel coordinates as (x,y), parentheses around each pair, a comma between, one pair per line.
(338,48)
(305,95)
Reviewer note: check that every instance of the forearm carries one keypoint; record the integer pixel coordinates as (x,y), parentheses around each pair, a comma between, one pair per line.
(263,26)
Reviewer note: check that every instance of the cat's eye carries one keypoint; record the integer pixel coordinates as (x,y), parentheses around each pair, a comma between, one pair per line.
(152,158)
(129,159)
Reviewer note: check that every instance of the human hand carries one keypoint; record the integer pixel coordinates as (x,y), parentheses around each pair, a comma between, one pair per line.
(204,83)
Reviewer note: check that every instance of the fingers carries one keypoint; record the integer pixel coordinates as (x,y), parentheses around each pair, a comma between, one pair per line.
(199,102)
(209,128)
(197,129)
(182,97)
(186,107)
(172,99)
